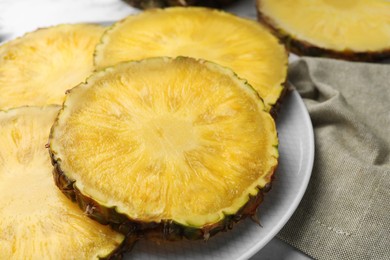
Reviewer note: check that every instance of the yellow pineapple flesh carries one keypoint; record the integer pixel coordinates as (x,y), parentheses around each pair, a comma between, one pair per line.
(39,67)
(241,44)
(341,26)
(165,139)
(36,220)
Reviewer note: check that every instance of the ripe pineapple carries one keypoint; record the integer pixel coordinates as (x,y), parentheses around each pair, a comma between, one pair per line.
(240,44)
(36,220)
(170,148)
(39,67)
(347,29)
(146,4)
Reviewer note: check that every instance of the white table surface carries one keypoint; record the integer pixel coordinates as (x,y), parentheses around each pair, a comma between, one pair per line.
(20,16)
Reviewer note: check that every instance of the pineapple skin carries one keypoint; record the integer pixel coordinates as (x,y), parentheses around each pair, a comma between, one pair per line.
(304,48)
(147,4)
(164,230)
(275,109)
(126,246)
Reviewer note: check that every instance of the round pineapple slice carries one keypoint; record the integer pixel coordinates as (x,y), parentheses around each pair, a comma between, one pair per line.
(347,29)
(237,43)
(172,147)
(36,220)
(146,4)
(39,67)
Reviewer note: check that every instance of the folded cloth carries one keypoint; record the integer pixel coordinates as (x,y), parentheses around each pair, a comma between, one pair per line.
(345,213)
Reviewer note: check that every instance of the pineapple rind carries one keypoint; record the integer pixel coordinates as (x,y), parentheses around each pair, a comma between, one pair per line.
(165,229)
(305,48)
(202,226)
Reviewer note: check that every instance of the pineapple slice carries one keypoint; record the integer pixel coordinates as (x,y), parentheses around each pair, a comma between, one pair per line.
(36,220)
(146,4)
(237,43)
(172,147)
(39,67)
(347,29)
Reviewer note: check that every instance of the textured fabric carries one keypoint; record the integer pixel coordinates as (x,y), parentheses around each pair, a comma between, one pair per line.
(345,213)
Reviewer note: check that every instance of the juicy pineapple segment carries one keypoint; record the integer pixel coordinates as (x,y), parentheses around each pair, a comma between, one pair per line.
(39,67)
(347,25)
(165,139)
(36,220)
(237,43)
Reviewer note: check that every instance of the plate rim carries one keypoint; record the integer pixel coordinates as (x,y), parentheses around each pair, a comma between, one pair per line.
(302,189)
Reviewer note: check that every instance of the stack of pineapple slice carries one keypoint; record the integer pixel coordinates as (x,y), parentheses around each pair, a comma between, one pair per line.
(169,147)
(36,220)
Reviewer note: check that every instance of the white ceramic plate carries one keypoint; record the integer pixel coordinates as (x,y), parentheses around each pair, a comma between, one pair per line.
(296,160)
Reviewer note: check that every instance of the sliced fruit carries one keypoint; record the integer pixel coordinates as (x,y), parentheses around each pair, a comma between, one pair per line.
(39,67)
(36,220)
(348,29)
(146,4)
(237,43)
(171,147)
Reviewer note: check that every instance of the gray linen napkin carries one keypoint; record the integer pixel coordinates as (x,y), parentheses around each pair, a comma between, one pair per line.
(345,213)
